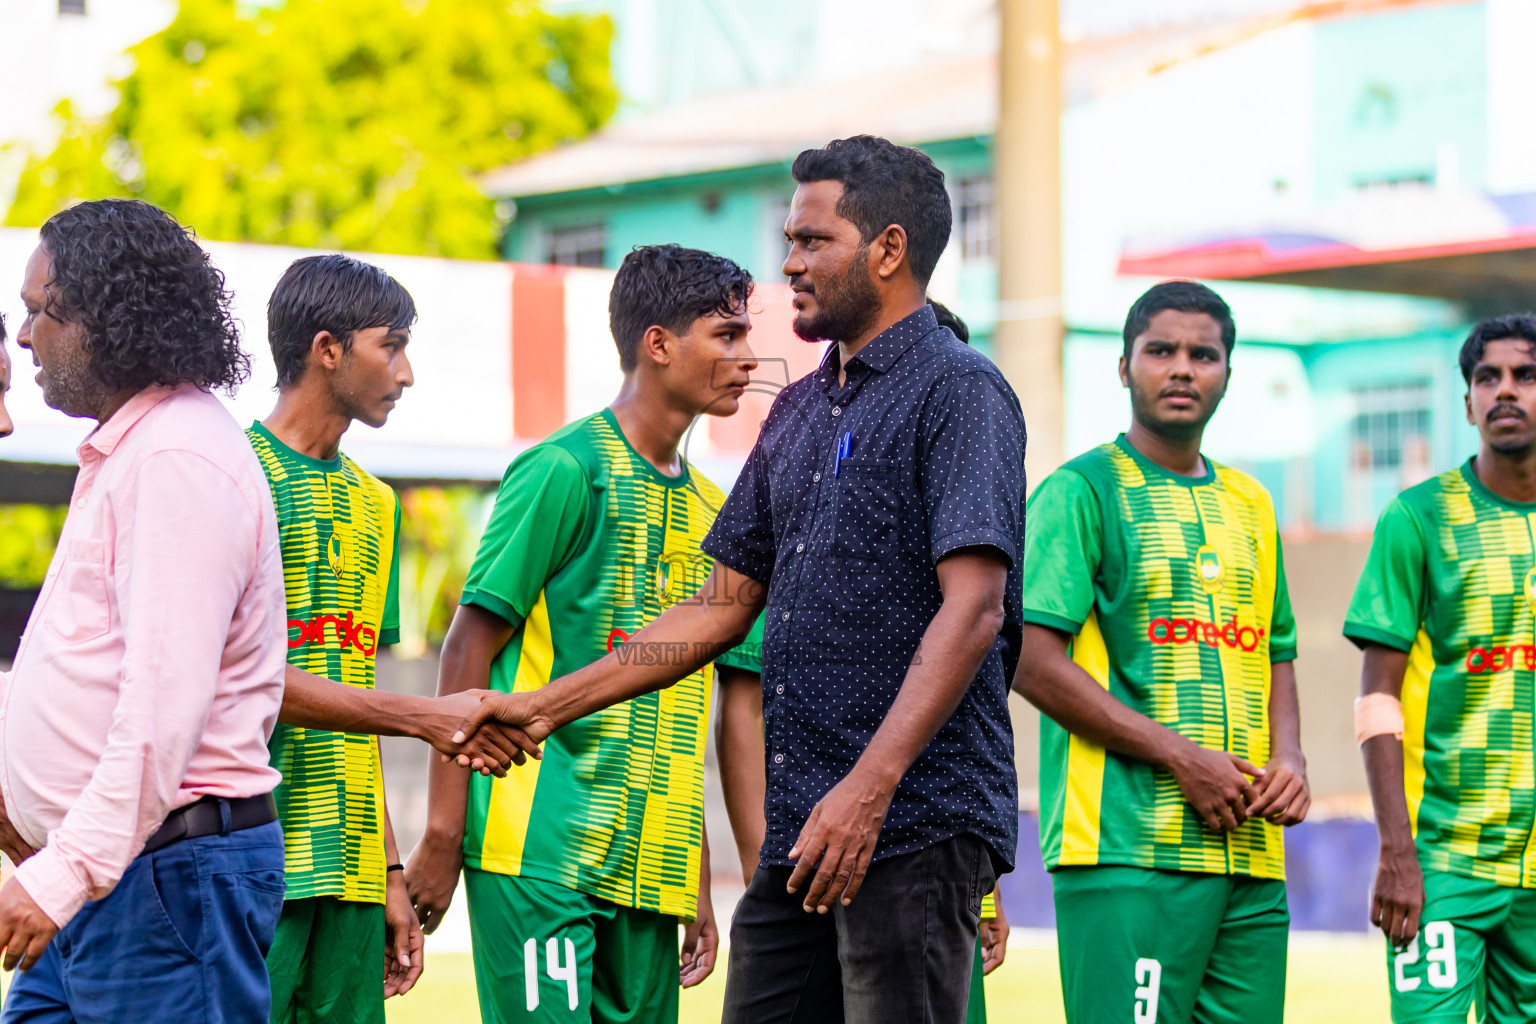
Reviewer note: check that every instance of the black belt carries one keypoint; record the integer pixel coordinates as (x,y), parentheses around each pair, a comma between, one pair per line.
(206,817)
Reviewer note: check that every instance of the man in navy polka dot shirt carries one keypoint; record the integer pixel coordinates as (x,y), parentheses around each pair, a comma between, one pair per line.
(880,520)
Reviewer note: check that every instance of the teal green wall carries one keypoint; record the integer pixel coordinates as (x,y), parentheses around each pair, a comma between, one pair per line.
(1335,369)
(1390,89)
(740,226)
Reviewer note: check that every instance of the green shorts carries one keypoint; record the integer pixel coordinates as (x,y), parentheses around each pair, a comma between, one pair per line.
(327,962)
(1476,944)
(1139,946)
(545,952)
(976,1008)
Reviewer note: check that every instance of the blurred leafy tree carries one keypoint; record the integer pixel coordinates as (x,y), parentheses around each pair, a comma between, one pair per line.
(28,535)
(439,531)
(355,124)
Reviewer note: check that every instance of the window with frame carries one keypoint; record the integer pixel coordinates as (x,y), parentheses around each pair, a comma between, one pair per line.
(579,245)
(976,219)
(1391,426)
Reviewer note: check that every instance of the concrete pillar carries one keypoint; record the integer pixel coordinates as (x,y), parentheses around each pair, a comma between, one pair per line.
(1028,189)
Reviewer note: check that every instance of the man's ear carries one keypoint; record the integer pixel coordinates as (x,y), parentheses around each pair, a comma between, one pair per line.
(325,350)
(890,251)
(1125,372)
(658,345)
(1467,400)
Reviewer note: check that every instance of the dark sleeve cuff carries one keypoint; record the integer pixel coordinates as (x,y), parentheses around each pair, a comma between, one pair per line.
(1051,620)
(740,660)
(492,604)
(389,636)
(1281,654)
(1360,635)
(980,537)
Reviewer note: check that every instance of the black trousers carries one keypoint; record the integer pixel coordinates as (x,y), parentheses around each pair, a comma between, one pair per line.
(901,952)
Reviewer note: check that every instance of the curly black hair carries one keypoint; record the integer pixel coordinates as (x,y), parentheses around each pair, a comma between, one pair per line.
(669,286)
(1511,326)
(885,184)
(154,307)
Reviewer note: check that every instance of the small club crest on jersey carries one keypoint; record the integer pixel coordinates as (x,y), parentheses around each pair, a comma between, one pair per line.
(334,556)
(1530,588)
(1210,569)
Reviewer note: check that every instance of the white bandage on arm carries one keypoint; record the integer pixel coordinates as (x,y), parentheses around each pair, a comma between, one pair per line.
(1378,714)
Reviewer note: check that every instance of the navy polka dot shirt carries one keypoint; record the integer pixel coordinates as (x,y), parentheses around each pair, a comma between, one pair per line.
(847,503)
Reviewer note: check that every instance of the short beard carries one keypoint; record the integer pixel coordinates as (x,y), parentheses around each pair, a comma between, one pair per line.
(1176,432)
(1513,447)
(73,388)
(846,308)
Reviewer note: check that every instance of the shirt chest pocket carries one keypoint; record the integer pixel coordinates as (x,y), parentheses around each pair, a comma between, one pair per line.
(78,610)
(869,508)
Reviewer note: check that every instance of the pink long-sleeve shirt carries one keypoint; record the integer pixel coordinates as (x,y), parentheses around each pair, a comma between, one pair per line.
(151,670)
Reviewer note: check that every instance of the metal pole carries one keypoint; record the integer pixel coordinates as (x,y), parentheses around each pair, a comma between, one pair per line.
(1028,188)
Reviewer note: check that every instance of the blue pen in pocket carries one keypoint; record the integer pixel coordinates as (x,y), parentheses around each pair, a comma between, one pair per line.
(844,450)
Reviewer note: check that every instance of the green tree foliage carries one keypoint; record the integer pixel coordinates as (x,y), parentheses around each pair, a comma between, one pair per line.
(356,124)
(28,535)
(440,530)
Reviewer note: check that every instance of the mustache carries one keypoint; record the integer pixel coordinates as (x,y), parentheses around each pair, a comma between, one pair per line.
(1178,392)
(1504,408)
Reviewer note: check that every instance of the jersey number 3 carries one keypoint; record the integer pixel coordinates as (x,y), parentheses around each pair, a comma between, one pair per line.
(1149,983)
(565,972)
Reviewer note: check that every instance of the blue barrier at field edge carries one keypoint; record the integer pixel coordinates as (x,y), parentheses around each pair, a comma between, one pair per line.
(1329,866)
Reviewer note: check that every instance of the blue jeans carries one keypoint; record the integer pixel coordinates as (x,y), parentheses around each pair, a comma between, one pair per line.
(182,938)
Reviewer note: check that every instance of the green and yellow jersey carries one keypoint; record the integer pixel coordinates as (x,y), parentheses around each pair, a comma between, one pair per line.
(588,543)
(340,534)
(1173,590)
(1451,580)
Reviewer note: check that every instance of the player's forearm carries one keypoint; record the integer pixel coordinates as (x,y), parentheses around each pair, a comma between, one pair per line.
(475,637)
(1384,771)
(1383,673)
(1284,710)
(1050,680)
(949,656)
(676,644)
(315,702)
(391,850)
(739,749)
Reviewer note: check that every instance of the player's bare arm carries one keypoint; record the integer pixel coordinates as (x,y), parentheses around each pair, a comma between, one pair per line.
(701,936)
(1397,897)
(11,843)
(994,936)
(1284,797)
(475,637)
(696,631)
(314,702)
(739,749)
(404,954)
(1215,782)
(838,840)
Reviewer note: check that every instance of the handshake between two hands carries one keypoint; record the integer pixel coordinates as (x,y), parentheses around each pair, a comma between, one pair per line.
(485,731)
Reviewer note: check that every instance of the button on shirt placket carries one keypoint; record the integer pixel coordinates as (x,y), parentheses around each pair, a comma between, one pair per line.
(831,424)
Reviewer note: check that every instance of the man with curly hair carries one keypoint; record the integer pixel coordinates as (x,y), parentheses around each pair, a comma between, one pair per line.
(134,723)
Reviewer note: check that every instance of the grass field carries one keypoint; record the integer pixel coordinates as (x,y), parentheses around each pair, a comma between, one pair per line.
(1331,980)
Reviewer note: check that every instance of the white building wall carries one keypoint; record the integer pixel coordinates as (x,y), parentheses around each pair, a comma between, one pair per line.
(49,56)
(1511,27)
